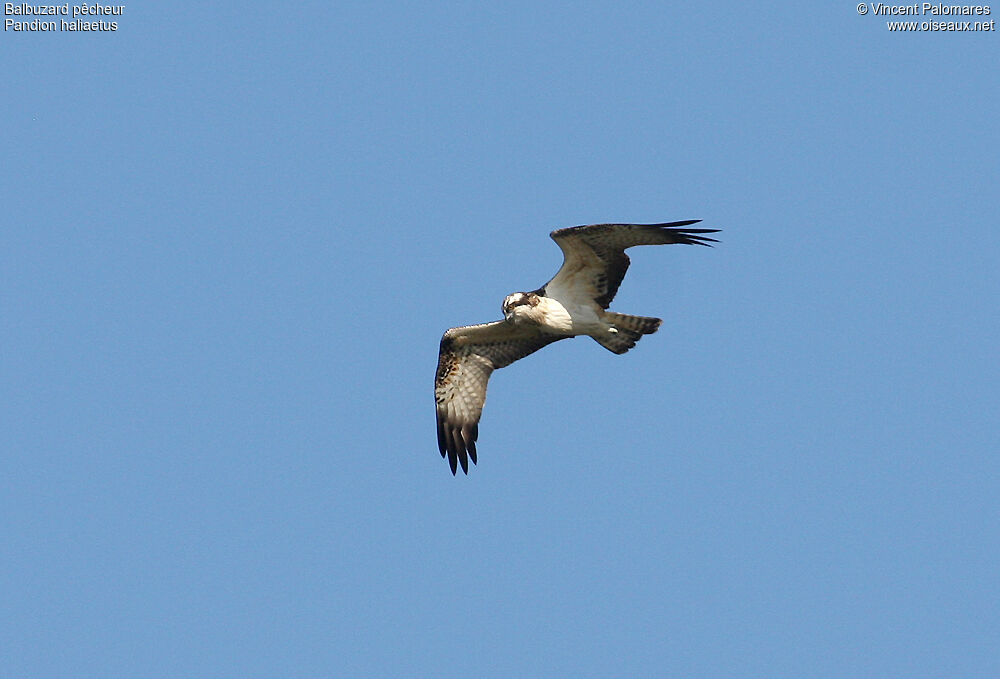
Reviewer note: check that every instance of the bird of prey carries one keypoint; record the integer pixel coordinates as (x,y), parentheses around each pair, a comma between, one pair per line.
(575,302)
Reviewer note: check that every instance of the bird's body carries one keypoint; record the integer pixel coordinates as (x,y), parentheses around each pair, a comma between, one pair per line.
(575,302)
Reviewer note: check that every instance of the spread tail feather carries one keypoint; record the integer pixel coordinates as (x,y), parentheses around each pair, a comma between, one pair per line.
(624,331)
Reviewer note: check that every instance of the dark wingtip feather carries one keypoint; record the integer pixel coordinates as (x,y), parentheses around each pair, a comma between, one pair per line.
(670,225)
(463,456)
(700,240)
(442,445)
(684,236)
(458,444)
(689,236)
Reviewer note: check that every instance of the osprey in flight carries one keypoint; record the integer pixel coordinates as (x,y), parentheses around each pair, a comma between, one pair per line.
(573,303)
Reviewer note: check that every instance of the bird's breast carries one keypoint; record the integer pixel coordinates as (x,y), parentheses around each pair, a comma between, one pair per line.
(553,316)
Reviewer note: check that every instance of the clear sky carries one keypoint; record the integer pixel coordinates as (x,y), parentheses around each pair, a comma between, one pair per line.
(235,232)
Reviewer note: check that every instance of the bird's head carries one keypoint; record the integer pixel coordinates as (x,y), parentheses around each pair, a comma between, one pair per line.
(515,300)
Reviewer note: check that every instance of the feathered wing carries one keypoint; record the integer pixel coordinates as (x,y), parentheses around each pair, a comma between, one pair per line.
(468,356)
(594,259)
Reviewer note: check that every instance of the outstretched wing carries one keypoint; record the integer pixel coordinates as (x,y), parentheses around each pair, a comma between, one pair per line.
(468,356)
(594,259)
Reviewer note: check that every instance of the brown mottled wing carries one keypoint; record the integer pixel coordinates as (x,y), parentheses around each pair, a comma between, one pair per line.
(468,356)
(594,259)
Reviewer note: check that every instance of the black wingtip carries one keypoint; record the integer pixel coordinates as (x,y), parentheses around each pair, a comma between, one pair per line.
(442,444)
(689,236)
(682,235)
(458,444)
(672,225)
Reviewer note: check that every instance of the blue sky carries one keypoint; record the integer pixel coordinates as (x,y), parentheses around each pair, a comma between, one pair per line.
(235,234)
